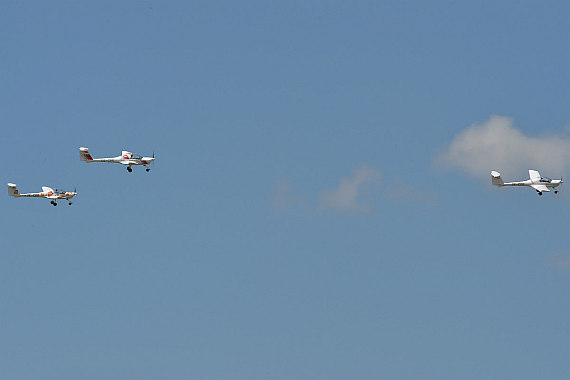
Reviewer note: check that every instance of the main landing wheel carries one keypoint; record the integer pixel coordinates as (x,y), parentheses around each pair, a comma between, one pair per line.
(540,193)
(129,169)
(147,169)
(556,192)
(55,204)
(70,203)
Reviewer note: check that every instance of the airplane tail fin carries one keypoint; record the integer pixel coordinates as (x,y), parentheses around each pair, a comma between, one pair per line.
(496,179)
(13,190)
(84,155)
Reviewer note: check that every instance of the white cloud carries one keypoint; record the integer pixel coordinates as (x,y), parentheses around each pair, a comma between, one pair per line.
(497,145)
(345,197)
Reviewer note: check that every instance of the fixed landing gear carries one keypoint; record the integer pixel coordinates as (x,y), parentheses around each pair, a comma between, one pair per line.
(147,169)
(54,203)
(70,203)
(129,169)
(540,193)
(555,191)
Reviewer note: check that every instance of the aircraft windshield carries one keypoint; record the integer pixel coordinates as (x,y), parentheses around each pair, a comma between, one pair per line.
(545,179)
(58,191)
(136,156)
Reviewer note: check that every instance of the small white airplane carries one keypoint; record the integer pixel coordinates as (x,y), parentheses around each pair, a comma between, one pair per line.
(126,158)
(536,181)
(47,192)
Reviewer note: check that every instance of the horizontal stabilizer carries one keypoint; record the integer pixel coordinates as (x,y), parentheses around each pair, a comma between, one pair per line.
(496,178)
(13,190)
(84,154)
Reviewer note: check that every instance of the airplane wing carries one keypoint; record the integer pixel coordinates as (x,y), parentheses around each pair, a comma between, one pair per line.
(540,188)
(533,174)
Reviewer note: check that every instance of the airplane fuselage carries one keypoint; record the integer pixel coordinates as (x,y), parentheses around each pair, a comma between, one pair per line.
(125,161)
(126,158)
(48,195)
(47,192)
(529,182)
(536,181)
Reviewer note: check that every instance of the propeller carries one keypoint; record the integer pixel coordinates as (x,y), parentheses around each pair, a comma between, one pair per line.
(74,194)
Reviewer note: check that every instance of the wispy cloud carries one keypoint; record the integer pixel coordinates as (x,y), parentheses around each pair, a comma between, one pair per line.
(497,144)
(559,259)
(345,197)
(407,193)
(283,198)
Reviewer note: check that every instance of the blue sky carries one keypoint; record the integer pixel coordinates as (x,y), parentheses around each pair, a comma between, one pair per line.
(309,215)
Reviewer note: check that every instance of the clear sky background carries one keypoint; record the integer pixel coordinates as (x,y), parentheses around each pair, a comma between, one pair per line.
(307,217)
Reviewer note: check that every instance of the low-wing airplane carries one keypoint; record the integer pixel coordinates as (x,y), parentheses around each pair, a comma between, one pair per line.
(536,181)
(47,192)
(126,158)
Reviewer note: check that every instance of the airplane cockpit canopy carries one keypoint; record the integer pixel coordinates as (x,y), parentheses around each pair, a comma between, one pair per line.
(136,156)
(59,191)
(545,179)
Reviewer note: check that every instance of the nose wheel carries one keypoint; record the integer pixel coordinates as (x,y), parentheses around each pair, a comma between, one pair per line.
(555,191)
(129,169)
(540,193)
(147,169)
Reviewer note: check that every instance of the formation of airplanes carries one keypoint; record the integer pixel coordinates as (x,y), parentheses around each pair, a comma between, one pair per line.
(536,181)
(126,158)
